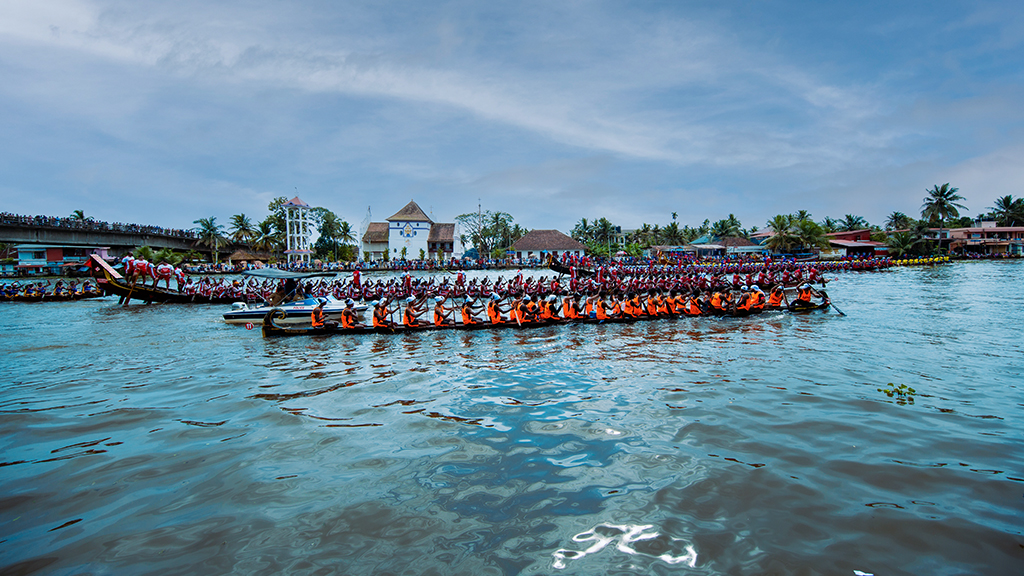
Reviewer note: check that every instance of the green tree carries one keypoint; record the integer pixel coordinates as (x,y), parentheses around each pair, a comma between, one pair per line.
(829,225)
(78,215)
(941,203)
(242,229)
(268,237)
(898,221)
(783,239)
(210,234)
(902,243)
(851,222)
(1008,211)
(810,235)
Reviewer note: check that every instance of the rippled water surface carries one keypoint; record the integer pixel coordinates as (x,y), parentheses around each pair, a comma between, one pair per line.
(160,440)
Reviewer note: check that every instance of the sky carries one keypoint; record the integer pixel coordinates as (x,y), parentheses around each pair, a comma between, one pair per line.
(161,113)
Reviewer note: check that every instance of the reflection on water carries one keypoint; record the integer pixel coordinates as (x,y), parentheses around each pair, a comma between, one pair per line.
(159,439)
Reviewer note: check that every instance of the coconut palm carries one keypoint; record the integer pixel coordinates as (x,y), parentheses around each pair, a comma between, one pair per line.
(78,215)
(809,234)
(267,237)
(783,238)
(1008,212)
(241,229)
(850,222)
(802,215)
(901,243)
(210,234)
(829,225)
(672,234)
(941,203)
(897,221)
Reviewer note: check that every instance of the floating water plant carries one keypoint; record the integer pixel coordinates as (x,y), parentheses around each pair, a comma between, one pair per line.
(903,394)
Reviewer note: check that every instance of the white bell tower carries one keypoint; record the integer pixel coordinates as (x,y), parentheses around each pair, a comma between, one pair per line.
(298,230)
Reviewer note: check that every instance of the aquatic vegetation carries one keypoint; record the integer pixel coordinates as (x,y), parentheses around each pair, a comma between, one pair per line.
(903,394)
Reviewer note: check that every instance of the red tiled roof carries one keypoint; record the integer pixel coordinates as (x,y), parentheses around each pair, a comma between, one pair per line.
(546,240)
(441,233)
(296,202)
(411,213)
(376,232)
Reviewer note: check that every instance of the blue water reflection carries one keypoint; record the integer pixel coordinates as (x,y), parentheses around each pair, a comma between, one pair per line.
(159,439)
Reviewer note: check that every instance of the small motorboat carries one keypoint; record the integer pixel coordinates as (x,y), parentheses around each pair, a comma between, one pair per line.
(295,312)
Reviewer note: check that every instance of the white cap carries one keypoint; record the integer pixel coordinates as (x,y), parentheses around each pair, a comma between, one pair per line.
(438,299)
(410,299)
(527,298)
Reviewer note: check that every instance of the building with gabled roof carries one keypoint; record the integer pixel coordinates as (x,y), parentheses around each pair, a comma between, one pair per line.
(409,228)
(538,243)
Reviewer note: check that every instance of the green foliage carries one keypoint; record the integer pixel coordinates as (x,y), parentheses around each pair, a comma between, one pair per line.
(210,235)
(404,252)
(902,393)
(489,230)
(242,229)
(498,253)
(366,255)
(423,254)
(1008,212)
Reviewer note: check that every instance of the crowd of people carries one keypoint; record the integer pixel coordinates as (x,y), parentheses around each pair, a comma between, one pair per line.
(73,223)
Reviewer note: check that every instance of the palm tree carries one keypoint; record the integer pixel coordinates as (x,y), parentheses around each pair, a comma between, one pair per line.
(582,231)
(78,215)
(241,229)
(672,234)
(941,203)
(849,223)
(802,215)
(783,238)
(210,234)
(830,225)
(267,237)
(674,215)
(902,243)
(810,235)
(1008,212)
(897,221)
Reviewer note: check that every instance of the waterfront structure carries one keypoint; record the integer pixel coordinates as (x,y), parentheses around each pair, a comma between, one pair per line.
(298,230)
(54,259)
(988,239)
(541,243)
(412,230)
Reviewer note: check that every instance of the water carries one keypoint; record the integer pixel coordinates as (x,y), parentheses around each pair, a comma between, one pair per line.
(159,440)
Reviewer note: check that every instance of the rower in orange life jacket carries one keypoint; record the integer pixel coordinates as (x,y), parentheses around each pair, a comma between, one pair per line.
(381,315)
(409,317)
(494,310)
(441,314)
(804,295)
(348,316)
(717,301)
(570,310)
(469,311)
(777,298)
(317,316)
(692,307)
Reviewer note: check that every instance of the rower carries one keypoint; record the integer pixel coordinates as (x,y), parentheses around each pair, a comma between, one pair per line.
(348,315)
(494,310)
(777,298)
(317,317)
(469,311)
(442,315)
(412,313)
(381,314)
(803,297)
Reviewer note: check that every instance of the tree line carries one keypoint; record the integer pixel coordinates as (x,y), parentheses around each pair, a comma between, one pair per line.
(798,231)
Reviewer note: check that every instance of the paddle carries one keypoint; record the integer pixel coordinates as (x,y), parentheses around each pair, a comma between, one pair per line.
(836,308)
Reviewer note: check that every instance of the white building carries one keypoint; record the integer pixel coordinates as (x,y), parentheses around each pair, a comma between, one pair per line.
(409,228)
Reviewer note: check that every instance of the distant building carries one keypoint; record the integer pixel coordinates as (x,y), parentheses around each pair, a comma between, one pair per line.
(409,228)
(988,240)
(541,243)
(53,259)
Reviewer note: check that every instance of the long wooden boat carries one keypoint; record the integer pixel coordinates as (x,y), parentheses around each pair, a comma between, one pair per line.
(567,270)
(271,328)
(113,283)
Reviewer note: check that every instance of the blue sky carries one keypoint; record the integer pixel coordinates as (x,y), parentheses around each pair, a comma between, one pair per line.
(165,112)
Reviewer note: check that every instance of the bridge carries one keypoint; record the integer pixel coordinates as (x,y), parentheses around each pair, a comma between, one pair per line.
(119,241)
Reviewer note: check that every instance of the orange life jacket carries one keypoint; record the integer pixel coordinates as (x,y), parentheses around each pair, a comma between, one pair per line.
(317,317)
